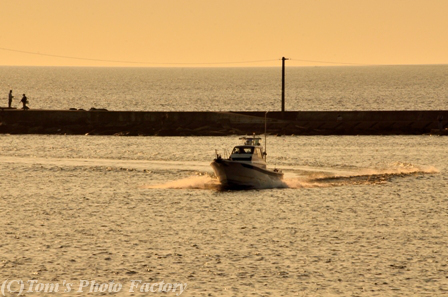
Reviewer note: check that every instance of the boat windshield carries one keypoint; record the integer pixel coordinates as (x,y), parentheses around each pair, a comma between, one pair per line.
(243,150)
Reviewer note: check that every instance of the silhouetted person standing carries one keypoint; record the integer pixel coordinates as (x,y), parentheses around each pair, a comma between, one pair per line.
(24,102)
(10,96)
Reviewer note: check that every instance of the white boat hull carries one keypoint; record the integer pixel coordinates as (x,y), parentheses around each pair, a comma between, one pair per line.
(235,174)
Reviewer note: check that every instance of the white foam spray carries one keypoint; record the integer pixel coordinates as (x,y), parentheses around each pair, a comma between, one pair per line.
(359,176)
(312,178)
(192,182)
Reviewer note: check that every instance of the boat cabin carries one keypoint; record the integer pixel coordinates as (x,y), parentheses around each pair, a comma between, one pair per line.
(251,151)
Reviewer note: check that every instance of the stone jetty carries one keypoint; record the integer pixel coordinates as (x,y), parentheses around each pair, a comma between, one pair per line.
(209,123)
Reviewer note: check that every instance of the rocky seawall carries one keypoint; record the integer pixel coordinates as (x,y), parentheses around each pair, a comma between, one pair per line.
(208,123)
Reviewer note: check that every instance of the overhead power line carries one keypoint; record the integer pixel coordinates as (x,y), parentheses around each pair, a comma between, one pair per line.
(129,62)
(326,62)
(168,63)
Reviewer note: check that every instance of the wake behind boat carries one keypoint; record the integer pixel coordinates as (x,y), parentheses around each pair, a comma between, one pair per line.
(246,167)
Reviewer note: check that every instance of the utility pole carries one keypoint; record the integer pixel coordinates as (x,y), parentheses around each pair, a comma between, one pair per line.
(283,84)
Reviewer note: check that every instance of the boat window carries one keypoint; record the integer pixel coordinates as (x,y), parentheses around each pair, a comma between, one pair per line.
(243,150)
(248,150)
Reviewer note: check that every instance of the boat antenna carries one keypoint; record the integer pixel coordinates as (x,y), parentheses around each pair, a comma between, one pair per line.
(265,131)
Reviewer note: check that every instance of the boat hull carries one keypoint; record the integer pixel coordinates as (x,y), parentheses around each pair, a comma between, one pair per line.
(245,175)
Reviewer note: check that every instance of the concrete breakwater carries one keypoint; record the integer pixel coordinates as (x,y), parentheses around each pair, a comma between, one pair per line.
(208,123)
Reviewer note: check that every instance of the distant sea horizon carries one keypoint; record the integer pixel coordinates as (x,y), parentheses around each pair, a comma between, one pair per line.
(308,88)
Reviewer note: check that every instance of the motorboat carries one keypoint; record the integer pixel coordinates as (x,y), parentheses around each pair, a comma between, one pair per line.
(245,167)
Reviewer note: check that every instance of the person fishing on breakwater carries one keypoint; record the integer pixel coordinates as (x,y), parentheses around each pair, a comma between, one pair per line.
(10,96)
(24,102)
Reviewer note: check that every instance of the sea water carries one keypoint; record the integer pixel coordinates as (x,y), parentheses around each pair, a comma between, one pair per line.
(358,215)
(417,87)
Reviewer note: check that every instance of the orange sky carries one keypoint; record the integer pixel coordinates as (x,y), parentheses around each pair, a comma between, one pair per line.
(216,33)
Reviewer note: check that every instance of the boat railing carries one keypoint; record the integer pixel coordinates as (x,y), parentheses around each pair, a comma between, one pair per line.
(225,154)
(255,141)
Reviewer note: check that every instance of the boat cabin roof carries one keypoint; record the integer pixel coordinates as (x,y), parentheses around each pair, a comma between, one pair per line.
(255,141)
